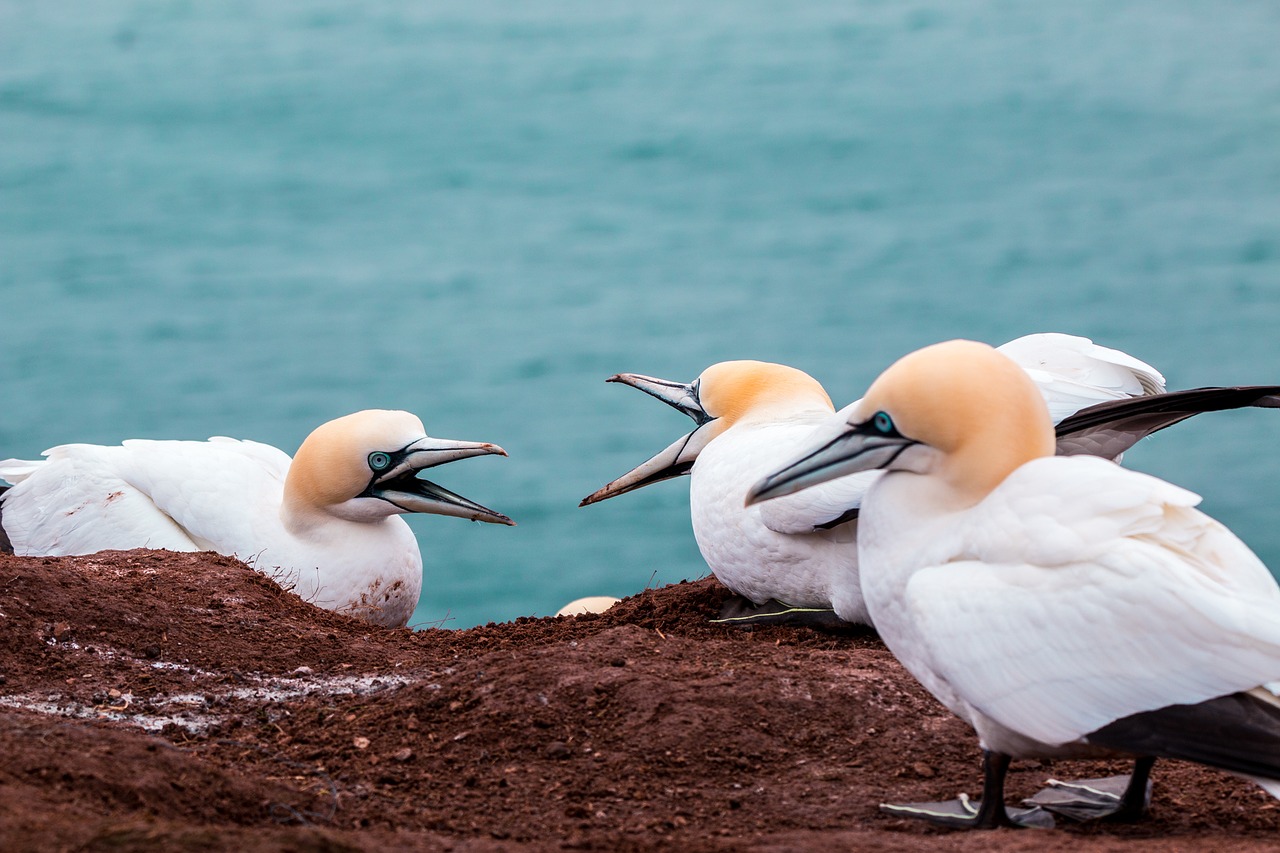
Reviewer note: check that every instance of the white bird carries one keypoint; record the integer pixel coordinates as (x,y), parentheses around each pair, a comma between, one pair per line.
(751,416)
(791,557)
(1062,606)
(325,524)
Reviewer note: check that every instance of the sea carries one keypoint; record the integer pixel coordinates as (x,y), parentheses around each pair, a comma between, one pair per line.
(243,218)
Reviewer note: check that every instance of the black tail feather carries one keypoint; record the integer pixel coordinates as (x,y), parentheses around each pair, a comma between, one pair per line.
(1239,733)
(1109,429)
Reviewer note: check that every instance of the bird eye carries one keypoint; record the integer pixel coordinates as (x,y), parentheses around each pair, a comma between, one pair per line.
(379,461)
(883,423)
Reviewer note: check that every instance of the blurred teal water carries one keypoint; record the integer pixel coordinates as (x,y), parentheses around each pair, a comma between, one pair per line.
(245,219)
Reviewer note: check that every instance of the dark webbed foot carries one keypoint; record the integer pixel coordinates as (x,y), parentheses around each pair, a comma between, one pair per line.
(743,612)
(990,813)
(1116,798)
(964,813)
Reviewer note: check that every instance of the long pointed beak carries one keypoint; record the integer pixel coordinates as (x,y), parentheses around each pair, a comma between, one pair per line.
(678,395)
(675,460)
(399,485)
(857,448)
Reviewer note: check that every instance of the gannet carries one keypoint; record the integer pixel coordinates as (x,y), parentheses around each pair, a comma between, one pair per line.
(788,555)
(325,524)
(751,415)
(1061,605)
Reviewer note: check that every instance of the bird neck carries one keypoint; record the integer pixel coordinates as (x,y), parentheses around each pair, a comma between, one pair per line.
(987,457)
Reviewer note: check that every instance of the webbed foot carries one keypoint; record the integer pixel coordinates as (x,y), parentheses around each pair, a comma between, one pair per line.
(742,612)
(964,813)
(1094,799)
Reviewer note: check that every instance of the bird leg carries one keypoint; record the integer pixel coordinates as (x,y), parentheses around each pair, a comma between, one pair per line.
(1116,798)
(989,813)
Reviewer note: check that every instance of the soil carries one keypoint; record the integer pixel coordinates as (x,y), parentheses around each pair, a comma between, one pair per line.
(159,701)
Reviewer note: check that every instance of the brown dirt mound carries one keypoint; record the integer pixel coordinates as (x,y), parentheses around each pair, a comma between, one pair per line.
(156,701)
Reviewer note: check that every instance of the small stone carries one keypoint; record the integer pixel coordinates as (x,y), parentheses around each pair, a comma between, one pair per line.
(924,771)
(300,672)
(361,743)
(558,750)
(403,754)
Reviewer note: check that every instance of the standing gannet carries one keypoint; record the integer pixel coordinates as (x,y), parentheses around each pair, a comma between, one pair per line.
(1061,605)
(325,524)
(788,556)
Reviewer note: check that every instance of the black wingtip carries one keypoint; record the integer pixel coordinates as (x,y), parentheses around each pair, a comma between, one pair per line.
(1175,405)
(1111,428)
(1239,733)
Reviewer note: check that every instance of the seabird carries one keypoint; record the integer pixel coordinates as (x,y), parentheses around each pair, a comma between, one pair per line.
(751,416)
(1061,605)
(325,524)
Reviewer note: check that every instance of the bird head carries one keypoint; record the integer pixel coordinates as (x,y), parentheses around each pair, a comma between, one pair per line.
(726,395)
(363,467)
(959,409)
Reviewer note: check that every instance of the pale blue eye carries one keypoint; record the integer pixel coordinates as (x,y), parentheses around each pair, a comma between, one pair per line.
(379,461)
(882,422)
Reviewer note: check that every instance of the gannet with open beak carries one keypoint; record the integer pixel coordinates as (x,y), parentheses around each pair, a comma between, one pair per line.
(325,524)
(1061,605)
(751,416)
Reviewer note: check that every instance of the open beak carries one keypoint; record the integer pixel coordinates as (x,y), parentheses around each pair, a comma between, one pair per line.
(678,458)
(401,486)
(860,447)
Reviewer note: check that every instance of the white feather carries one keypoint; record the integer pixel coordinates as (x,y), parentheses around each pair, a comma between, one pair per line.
(1073,372)
(1078,593)
(776,550)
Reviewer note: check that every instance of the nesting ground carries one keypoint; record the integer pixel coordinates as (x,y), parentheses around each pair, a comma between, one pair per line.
(157,701)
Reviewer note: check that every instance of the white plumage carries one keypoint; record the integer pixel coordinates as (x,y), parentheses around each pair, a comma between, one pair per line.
(1074,594)
(1073,372)
(325,525)
(776,550)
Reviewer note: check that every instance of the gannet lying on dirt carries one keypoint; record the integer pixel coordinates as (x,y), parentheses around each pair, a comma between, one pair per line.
(1062,606)
(324,524)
